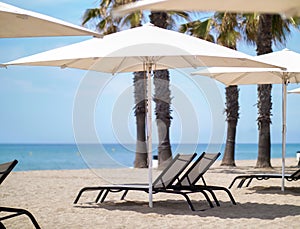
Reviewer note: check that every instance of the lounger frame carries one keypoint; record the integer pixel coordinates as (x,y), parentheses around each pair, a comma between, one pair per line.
(5,169)
(289,177)
(160,185)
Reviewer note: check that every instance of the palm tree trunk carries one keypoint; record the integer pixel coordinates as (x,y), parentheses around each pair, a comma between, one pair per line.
(232,112)
(264,46)
(140,113)
(163,117)
(264,120)
(162,100)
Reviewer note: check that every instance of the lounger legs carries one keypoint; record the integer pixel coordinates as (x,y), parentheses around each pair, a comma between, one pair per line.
(99,196)
(232,183)
(208,200)
(189,202)
(211,190)
(102,194)
(214,197)
(243,179)
(89,189)
(250,180)
(79,195)
(223,189)
(185,195)
(124,195)
(17,212)
(242,182)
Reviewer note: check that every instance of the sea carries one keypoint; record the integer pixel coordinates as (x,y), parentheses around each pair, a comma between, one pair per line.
(72,156)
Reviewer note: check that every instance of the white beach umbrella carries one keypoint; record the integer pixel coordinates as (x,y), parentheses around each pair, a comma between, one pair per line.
(17,22)
(143,48)
(287,7)
(237,76)
(129,50)
(295,91)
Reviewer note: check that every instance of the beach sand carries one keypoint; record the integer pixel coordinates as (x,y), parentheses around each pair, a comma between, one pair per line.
(49,195)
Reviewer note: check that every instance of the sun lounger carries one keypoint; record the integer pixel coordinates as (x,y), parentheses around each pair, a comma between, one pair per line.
(5,169)
(289,177)
(196,172)
(162,184)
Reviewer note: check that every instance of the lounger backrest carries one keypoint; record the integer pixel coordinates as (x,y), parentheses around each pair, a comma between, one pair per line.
(173,170)
(197,170)
(296,174)
(6,168)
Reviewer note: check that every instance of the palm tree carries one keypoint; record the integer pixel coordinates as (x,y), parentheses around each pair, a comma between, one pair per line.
(162,94)
(140,85)
(263,30)
(162,100)
(107,24)
(264,105)
(225,26)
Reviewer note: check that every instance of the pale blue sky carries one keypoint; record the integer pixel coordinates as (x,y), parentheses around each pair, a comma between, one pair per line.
(37,102)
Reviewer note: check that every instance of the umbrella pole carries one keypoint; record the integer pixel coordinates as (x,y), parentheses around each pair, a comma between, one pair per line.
(284,89)
(149,131)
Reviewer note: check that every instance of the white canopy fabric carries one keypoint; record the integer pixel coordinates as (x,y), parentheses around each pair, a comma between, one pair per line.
(144,48)
(295,91)
(129,50)
(237,76)
(287,7)
(17,22)
(243,76)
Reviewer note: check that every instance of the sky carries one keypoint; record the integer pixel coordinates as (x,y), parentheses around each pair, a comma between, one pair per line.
(38,103)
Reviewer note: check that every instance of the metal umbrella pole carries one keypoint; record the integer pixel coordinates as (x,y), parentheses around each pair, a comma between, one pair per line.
(149,129)
(284,93)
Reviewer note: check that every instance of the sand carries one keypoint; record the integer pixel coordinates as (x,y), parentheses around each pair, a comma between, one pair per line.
(49,195)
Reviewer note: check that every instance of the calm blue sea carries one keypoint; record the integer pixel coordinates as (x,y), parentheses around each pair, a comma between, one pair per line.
(71,156)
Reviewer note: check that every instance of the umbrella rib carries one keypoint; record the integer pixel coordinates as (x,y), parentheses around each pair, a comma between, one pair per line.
(119,66)
(67,65)
(293,75)
(212,76)
(235,81)
(186,60)
(280,75)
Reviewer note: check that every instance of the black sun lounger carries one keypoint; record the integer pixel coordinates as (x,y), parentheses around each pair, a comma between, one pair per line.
(196,172)
(289,177)
(5,169)
(162,183)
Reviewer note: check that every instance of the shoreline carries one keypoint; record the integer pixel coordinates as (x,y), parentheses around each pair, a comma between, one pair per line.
(62,156)
(49,196)
(275,162)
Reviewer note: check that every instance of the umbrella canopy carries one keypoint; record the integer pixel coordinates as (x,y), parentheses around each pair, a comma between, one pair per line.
(236,76)
(141,49)
(296,91)
(287,7)
(17,22)
(129,50)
